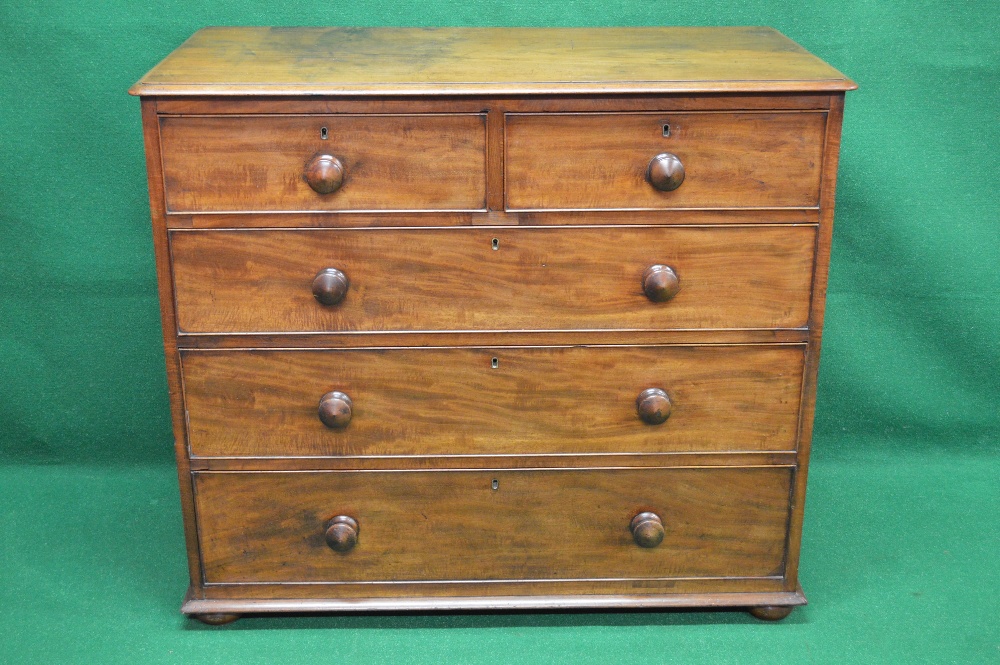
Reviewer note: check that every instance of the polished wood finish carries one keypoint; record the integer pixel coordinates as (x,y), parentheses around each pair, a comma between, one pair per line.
(494,218)
(660,283)
(665,171)
(647,529)
(342,533)
(557,103)
(771,612)
(490,277)
(767,590)
(324,173)
(559,596)
(570,460)
(261,163)
(453,525)
(329,286)
(336,409)
(451,401)
(821,269)
(654,406)
(599,161)
(215,618)
(161,248)
(450,338)
(464,61)
(453,279)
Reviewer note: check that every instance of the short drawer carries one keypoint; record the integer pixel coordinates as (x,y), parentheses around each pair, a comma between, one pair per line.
(492,279)
(603,161)
(534,524)
(466,401)
(324,163)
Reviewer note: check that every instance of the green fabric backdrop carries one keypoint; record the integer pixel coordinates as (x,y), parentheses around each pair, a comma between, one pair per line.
(901,540)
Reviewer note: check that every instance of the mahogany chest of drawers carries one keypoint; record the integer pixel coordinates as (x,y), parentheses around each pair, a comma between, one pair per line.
(491,318)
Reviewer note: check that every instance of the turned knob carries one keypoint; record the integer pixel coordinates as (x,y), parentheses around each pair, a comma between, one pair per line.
(665,172)
(324,173)
(342,533)
(653,405)
(330,286)
(647,529)
(335,409)
(660,283)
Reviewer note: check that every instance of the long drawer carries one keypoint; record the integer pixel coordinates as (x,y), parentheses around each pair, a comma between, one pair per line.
(265,281)
(603,161)
(492,401)
(492,525)
(324,162)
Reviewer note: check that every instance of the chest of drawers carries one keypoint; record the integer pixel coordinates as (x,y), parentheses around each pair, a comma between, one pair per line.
(491,318)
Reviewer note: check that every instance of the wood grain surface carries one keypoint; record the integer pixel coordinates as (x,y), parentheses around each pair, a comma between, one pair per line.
(554,103)
(453,402)
(599,160)
(452,525)
(495,217)
(391,162)
(823,248)
(474,485)
(730,592)
(453,279)
(393,61)
(491,461)
(344,340)
(161,248)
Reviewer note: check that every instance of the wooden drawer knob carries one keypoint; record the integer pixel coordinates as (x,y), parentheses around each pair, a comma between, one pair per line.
(330,286)
(653,405)
(647,529)
(660,283)
(335,409)
(665,172)
(324,173)
(342,533)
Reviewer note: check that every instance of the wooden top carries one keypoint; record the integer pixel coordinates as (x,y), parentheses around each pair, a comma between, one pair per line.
(487,61)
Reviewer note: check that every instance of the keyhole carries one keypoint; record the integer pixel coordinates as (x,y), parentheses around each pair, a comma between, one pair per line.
(495,363)
(496,484)
(323,133)
(496,244)
(666,129)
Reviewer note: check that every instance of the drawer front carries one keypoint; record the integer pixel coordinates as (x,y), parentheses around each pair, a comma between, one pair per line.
(453,525)
(600,161)
(454,279)
(264,163)
(454,401)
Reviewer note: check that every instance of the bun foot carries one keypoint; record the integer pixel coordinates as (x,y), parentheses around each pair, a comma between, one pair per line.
(216,618)
(771,612)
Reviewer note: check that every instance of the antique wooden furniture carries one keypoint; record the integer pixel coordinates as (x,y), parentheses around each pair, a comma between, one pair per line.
(492,318)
